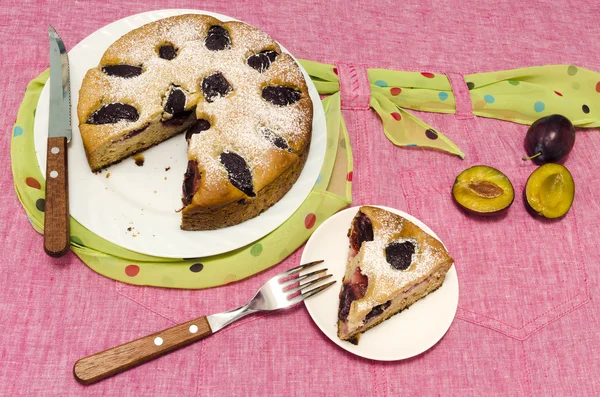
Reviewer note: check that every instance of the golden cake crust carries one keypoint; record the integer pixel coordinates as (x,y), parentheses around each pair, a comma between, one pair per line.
(271,133)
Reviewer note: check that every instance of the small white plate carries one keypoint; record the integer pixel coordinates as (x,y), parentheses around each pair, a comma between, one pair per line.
(404,335)
(135,207)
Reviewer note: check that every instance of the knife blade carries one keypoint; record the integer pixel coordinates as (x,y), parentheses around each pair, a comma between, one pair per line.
(56,218)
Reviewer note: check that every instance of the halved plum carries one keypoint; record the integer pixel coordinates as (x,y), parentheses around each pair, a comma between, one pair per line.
(483,190)
(550,191)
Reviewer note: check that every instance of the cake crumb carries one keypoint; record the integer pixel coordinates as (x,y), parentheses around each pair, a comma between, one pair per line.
(165,178)
(129,229)
(107,175)
(139,159)
(167,169)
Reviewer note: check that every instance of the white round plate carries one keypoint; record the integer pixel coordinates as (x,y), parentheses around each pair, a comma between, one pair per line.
(404,335)
(135,207)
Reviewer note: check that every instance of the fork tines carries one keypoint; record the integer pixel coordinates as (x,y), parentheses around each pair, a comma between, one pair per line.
(293,276)
(312,292)
(309,283)
(298,269)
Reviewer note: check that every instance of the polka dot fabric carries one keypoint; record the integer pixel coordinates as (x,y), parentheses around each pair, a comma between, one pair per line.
(524,95)
(392,92)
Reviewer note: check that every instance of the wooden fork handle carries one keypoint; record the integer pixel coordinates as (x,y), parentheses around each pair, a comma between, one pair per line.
(123,357)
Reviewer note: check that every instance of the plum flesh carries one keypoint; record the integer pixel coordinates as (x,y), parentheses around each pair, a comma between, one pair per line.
(483,190)
(550,191)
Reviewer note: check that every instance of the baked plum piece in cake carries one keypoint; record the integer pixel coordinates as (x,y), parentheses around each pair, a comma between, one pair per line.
(392,263)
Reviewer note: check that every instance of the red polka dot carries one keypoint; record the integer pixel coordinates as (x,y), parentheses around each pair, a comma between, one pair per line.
(31,182)
(349,177)
(310,220)
(396,116)
(557,93)
(598,87)
(335,70)
(395,91)
(132,270)
(428,75)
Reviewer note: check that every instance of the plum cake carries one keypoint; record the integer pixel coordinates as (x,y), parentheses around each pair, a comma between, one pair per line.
(392,263)
(242,103)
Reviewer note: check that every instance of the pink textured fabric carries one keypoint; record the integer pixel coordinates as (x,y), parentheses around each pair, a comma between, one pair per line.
(528,319)
(354,87)
(464,106)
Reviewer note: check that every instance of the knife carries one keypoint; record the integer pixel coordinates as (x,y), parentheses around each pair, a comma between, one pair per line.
(56,218)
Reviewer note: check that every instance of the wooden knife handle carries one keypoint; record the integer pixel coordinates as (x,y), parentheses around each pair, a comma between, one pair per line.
(56,213)
(123,357)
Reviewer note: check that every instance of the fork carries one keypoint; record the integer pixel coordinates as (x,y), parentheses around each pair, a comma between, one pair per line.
(279,292)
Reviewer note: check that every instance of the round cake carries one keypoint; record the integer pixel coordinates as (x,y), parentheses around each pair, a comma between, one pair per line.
(243,104)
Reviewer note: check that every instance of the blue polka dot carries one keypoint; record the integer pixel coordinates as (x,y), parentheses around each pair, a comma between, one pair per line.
(411,144)
(539,106)
(489,98)
(17,131)
(381,83)
(443,96)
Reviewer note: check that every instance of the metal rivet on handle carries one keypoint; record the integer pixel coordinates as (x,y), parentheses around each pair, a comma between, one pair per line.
(53,174)
(54,150)
(193,328)
(158,341)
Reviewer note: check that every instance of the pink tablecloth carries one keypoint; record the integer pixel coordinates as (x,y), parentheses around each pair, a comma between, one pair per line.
(527,322)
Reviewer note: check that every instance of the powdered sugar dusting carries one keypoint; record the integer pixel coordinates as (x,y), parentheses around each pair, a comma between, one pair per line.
(383,278)
(237,119)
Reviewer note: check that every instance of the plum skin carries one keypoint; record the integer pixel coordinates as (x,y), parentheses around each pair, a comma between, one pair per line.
(553,136)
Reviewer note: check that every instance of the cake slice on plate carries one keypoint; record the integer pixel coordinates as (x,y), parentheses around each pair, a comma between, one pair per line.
(392,263)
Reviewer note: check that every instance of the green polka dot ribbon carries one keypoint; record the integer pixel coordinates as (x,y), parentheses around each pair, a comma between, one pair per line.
(524,95)
(519,95)
(331,193)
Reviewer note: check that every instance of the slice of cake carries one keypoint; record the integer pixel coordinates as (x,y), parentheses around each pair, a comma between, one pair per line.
(392,263)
